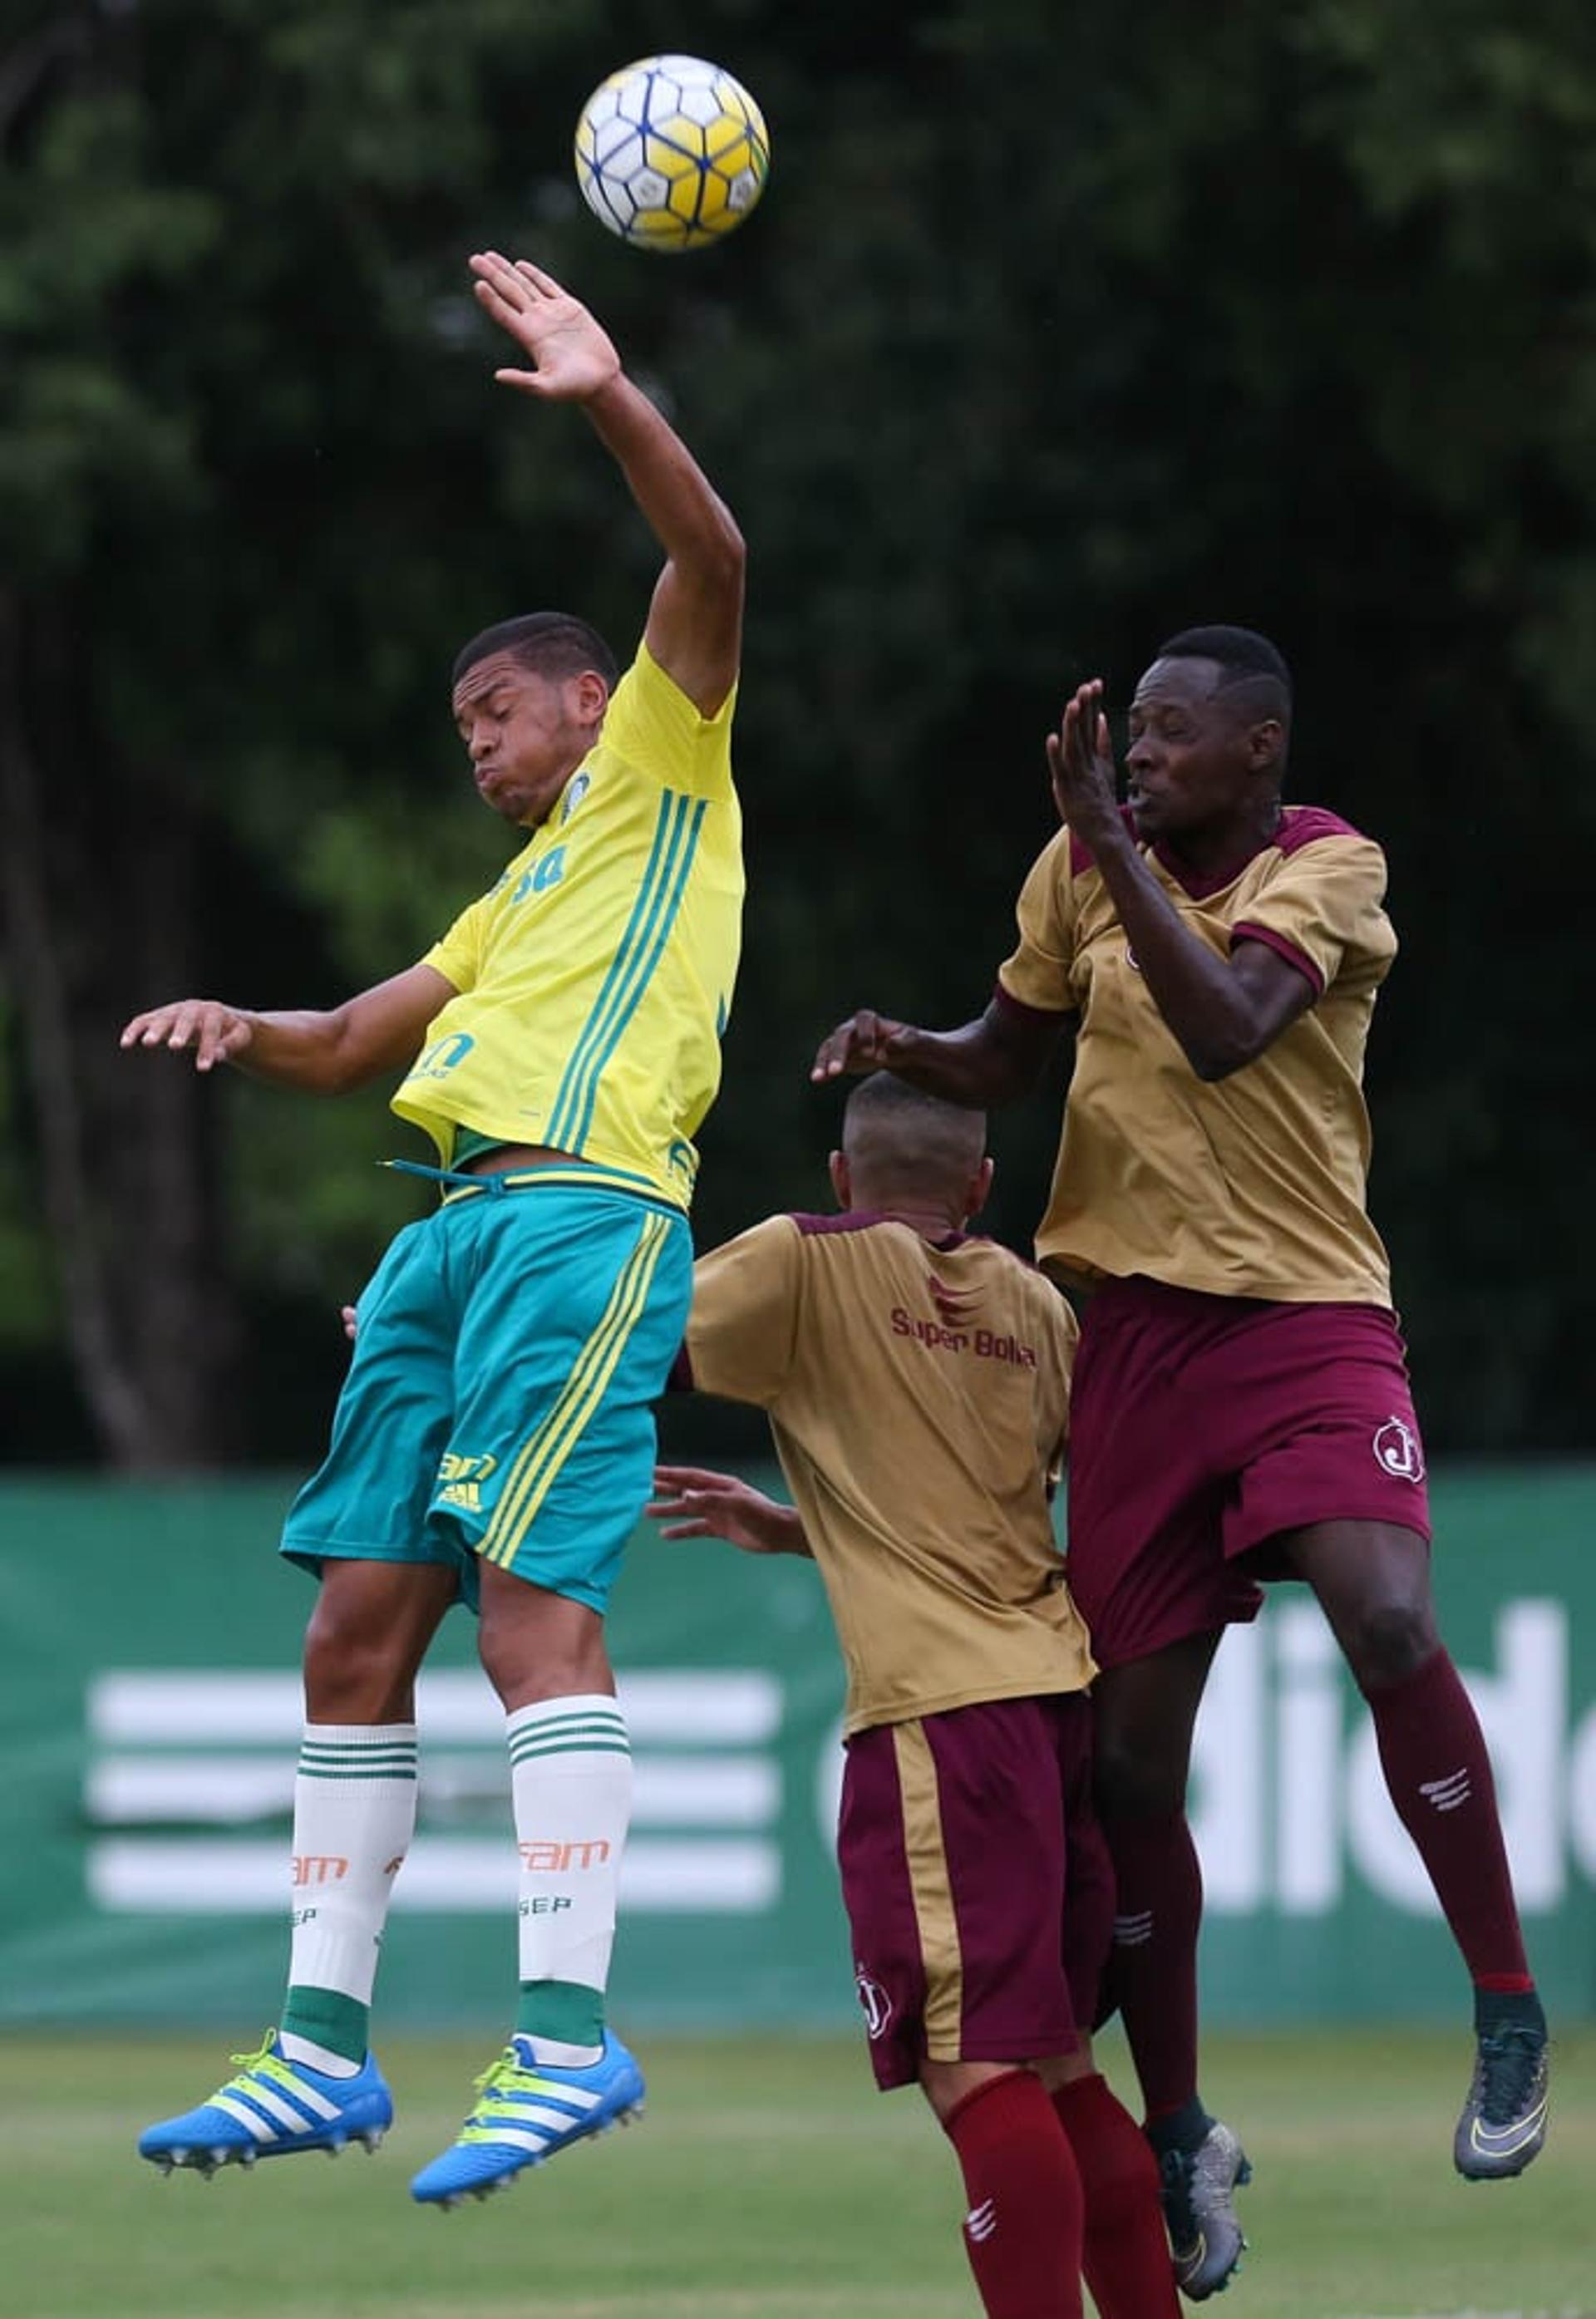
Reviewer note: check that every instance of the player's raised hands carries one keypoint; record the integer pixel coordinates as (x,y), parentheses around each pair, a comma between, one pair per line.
(1080,759)
(571,357)
(691,1501)
(213,1033)
(866,1042)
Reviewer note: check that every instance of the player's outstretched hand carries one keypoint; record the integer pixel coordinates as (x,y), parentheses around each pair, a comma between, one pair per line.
(215,1033)
(1080,760)
(350,1319)
(866,1042)
(571,357)
(691,1501)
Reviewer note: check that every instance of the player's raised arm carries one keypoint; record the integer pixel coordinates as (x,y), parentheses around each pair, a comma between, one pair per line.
(1223,1010)
(324,1051)
(995,1060)
(695,622)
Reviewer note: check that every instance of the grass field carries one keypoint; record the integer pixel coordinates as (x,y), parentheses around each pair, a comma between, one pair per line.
(768,2181)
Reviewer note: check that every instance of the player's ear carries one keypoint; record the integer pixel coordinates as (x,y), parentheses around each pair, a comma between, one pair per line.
(841,1181)
(591,695)
(980,1190)
(1267,742)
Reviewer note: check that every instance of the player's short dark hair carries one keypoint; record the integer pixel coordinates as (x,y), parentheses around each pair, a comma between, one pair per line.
(554,643)
(909,1132)
(1242,657)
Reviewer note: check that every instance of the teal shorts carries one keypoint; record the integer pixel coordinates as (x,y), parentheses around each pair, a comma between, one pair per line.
(499,1404)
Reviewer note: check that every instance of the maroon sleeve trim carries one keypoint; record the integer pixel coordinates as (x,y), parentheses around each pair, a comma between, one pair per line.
(1283,948)
(1007,1004)
(1304,824)
(680,1379)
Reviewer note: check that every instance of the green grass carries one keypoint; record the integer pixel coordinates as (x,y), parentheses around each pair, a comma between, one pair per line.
(769,2181)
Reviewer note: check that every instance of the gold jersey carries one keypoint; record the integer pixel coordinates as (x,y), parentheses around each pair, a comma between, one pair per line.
(594,978)
(1251,1186)
(918,1394)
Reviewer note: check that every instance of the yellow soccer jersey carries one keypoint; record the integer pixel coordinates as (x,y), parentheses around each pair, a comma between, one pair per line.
(594,978)
(1252,1185)
(918,1393)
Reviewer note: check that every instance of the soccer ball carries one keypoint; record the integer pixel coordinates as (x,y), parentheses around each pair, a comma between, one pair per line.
(671,152)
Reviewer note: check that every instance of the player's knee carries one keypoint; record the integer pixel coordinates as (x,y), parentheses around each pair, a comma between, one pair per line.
(357,1670)
(1388,1641)
(535,1645)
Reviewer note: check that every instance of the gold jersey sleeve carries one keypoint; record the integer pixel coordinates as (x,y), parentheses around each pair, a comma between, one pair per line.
(747,1297)
(1039,972)
(1251,1186)
(918,1398)
(1326,905)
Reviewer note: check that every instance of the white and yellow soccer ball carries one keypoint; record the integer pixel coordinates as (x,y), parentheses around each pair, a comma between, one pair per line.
(671,152)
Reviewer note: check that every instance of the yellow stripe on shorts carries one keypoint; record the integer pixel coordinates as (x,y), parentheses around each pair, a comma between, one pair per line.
(538,1461)
(931,1889)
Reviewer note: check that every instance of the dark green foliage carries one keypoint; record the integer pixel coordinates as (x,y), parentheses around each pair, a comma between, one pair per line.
(1049,337)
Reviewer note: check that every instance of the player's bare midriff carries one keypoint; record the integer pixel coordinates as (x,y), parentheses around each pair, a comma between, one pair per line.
(505,1158)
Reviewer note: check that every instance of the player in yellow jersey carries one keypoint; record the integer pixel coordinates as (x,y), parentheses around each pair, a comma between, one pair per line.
(1242,1405)
(495,1438)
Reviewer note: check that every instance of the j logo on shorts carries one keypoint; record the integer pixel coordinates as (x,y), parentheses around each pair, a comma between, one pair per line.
(1397,1452)
(877,2004)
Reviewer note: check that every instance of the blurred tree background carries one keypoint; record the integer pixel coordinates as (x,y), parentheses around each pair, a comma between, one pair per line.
(1058,329)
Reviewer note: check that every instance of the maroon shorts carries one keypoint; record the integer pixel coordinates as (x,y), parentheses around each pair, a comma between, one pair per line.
(977,1884)
(1203,1427)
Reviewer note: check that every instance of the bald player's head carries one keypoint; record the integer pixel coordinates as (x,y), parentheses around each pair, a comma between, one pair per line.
(901,1146)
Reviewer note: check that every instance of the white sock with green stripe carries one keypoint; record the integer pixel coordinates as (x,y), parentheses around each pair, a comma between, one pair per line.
(571,1769)
(354,1815)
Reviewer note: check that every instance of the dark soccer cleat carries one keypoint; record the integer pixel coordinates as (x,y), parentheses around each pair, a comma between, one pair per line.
(1205,2241)
(1504,2119)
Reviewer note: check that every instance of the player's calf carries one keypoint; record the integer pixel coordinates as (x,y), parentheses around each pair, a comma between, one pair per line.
(272,2108)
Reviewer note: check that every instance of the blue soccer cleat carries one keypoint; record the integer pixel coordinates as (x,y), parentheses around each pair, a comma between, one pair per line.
(272,2108)
(528,2111)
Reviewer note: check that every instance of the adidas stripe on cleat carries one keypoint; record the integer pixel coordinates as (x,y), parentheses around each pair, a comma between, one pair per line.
(272,2108)
(529,2111)
(1504,2119)
(1205,2241)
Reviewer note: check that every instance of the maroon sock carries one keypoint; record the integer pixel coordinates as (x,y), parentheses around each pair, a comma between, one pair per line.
(1152,1970)
(1023,2233)
(1126,2259)
(1438,1774)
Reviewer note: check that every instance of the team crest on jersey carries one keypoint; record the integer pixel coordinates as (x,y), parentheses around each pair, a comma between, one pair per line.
(877,2004)
(1397,1450)
(575,791)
